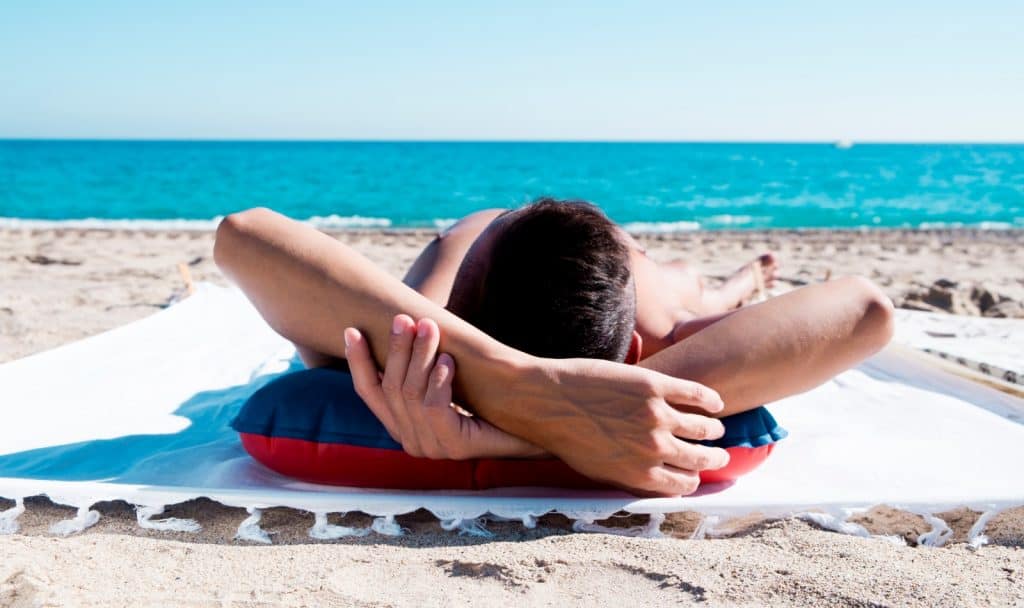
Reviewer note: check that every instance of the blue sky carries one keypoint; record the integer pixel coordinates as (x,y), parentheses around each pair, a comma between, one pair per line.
(890,71)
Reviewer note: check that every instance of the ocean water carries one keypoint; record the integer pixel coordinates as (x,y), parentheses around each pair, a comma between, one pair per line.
(404,184)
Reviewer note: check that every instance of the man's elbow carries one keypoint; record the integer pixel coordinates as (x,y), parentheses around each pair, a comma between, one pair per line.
(232,233)
(878,315)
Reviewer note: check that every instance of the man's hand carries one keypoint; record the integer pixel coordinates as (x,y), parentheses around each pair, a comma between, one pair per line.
(619,423)
(607,420)
(610,421)
(413,397)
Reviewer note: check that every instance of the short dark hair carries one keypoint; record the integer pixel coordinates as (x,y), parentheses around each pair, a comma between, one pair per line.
(557,284)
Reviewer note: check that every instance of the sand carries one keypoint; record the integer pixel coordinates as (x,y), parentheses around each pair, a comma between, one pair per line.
(61,285)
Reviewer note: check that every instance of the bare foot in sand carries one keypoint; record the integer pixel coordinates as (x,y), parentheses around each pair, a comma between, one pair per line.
(743,284)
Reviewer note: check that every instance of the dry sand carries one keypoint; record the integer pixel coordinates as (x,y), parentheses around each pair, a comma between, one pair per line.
(61,285)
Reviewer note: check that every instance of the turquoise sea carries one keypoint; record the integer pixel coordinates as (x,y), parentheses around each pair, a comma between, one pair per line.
(647,185)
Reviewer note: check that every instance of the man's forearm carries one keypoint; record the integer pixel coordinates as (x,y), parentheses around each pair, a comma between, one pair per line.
(310,287)
(784,346)
(610,421)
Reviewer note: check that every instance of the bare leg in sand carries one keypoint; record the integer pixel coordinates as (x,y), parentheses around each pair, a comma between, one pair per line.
(735,291)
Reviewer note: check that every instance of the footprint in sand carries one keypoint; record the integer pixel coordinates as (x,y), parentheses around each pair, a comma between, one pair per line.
(21,589)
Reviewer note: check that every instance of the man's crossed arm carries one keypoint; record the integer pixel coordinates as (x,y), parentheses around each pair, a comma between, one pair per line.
(613,422)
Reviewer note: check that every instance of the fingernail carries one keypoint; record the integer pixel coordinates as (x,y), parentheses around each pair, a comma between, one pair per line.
(348,339)
(421,331)
(446,360)
(444,371)
(351,336)
(397,325)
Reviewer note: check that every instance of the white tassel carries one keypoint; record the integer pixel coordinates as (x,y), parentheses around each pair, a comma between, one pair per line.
(705,528)
(9,517)
(976,537)
(839,523)
(450,524)
(528,520)
(84,519)
(250,529)
(584,525)
(323,530)
(938,535)
(144,516)
(652,529)
(836,523)
(387,526)
(472,527)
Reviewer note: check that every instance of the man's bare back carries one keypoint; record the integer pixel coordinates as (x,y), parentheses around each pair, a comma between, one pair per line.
(668,295)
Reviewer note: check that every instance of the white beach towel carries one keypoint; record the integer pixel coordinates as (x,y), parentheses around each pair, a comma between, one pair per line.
(989,347)
(141,414)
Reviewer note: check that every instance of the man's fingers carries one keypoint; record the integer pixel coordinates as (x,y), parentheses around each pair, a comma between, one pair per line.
(444,424)
(671,481)
(439,388)
(695,457)
(421,363)
(360,362)
(399,352)
(367,380)
(684,392)
(694,427)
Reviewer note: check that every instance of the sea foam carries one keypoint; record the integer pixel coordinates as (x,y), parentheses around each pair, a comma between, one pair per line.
(329,222)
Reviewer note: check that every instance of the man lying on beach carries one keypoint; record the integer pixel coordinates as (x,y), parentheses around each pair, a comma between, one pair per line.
(631,425)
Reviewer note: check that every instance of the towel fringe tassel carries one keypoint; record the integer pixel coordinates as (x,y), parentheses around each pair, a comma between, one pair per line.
(468,527)
(324,530)
(652,529)
(145,515)
(529,520)
(9,517)
(387,526)
(706,527)
(976,538)
(85,518)
(938,535)
(835,523)
(250,529)
(838,522)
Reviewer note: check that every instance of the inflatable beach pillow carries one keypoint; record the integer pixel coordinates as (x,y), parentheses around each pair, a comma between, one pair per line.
(312,426)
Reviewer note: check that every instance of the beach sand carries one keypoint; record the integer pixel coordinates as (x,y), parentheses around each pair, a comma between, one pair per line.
(60,285)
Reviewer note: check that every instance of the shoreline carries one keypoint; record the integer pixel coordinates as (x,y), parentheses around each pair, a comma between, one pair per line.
(345,224)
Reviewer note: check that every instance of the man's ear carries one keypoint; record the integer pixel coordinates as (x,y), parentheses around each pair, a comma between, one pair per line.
(636,345)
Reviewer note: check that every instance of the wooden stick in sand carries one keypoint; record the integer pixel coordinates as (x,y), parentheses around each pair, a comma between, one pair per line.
(186,276)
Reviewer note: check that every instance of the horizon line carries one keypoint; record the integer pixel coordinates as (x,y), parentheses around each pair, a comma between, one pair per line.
(830,142)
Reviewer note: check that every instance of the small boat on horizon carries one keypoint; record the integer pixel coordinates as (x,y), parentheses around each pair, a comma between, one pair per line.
(844,144)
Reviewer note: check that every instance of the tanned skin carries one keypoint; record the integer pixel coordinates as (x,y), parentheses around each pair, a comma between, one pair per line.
(630,425)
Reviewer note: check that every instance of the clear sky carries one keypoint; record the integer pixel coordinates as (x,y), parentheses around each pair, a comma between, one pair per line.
(534,70)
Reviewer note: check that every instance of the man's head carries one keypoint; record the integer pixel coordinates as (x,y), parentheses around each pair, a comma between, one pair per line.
(551,279)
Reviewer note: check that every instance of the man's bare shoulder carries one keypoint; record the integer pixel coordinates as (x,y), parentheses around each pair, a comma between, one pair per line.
(473,223)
